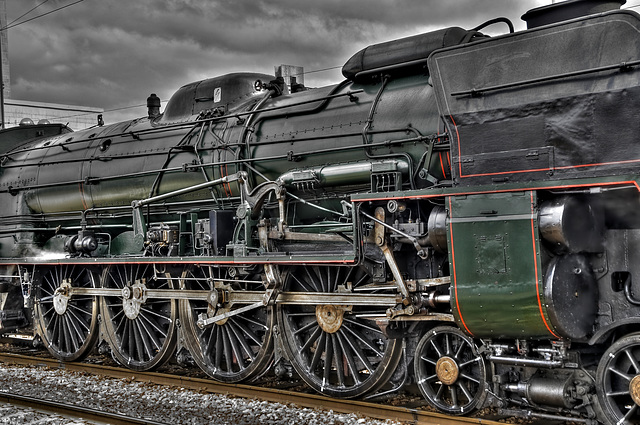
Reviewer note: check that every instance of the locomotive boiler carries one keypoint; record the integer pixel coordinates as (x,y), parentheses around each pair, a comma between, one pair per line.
(459,216)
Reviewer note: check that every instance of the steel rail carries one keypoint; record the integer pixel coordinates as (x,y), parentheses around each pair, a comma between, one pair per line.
(55,407)
(406,415)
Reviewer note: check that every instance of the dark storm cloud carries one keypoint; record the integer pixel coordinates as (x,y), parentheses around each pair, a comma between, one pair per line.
(112,54)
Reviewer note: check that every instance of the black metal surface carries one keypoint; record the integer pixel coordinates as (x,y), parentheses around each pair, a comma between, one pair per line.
(530,122)
(402,53)
(571,292)
(566,10)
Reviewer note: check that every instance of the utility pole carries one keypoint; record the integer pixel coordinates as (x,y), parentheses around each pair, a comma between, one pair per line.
(3,33)
(3,55)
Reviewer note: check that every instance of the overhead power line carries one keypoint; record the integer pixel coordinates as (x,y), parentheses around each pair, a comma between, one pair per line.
(27,12)
(103,112)
(14,24)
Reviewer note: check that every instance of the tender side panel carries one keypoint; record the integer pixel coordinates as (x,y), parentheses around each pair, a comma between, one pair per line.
(557,102)
(496,268)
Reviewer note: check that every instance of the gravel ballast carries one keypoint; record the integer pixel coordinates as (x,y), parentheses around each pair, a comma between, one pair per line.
(159,403)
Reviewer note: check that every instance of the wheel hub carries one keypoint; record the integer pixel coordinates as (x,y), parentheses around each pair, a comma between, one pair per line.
(61,297)
(217,302)
(447,370)
(133,297)
(634,389)
(329,317)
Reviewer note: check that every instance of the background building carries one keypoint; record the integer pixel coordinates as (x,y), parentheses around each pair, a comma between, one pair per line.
(77,117)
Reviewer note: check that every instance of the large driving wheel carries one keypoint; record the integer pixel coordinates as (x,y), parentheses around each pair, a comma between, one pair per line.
(66,323)
(141,331)
(618,382)
(335,348)
(238,348)
(450,373)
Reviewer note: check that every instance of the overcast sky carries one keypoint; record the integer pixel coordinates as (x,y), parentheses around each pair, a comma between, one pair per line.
(113,53)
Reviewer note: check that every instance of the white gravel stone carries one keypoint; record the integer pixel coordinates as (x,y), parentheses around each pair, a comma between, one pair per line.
(159,403)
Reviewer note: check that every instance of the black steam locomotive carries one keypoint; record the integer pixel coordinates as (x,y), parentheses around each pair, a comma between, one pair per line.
(460,214)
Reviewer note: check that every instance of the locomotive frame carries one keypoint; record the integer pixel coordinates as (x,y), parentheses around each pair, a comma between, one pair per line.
(461,215)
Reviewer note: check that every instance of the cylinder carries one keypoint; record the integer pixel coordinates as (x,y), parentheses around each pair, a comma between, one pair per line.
(547,391)
(437,228)
(544,391)
(570,223)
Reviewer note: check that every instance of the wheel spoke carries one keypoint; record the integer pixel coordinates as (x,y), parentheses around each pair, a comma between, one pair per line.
(465,390)
(303,285)
(364,341)
(152,333)
(632,360)
(632,412)
(261,325)
(81,310)
(306,328)
(428,360)
(142,341)
(470,361)
(315,279)
(439,351)
(155,313)
(470,378)
(328,358)
(237,345)
(73,325)
(239,336)
(312,338)
(454,397)
(351,363)
(219,348)
(621,374)
(363,325)
(227,348)
(317,355)
(617,393)
(246,331)
(46,313)
(337,355)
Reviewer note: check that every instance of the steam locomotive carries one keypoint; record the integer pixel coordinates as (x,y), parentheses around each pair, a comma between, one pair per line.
(461,214)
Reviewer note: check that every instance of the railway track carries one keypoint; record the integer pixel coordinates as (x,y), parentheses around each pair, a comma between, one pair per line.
(72,411)
(373,410)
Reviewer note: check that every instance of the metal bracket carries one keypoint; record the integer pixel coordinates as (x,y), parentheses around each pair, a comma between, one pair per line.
(203,321)
(422,252)
(139,225)
(381,241)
